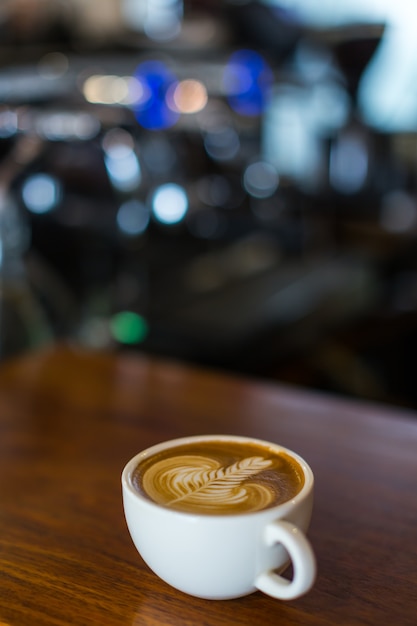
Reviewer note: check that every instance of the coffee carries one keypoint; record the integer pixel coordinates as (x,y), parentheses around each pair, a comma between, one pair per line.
(219,477)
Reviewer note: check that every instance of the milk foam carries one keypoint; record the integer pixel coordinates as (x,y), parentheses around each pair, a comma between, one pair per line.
(195,482)
(219,477)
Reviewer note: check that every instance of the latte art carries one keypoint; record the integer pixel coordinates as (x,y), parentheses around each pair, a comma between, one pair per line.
(218,477)
(199,481)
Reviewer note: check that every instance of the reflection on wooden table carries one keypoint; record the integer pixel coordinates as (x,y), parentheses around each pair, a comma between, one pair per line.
(69,421)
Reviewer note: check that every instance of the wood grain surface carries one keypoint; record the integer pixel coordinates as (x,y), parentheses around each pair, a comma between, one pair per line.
(71,419)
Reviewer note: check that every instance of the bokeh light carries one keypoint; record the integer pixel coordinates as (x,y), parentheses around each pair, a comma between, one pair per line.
(189,96)
(129,327)
(349,163)
(169,203)
(106,89)
(214,190)
(222,143)
(247,82)
(121,161)
(260,179)
(152,110)
(67,125)
(160,20)
(41,193)
(133,218)
(8,123)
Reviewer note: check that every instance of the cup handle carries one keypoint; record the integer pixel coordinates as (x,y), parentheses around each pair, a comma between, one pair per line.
(301,555)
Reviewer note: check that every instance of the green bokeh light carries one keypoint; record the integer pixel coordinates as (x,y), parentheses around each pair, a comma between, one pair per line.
(129,327)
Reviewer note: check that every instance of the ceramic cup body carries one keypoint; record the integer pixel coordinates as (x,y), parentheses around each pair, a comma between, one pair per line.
(224,556)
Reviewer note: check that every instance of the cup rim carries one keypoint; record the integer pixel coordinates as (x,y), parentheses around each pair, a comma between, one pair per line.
(131,465)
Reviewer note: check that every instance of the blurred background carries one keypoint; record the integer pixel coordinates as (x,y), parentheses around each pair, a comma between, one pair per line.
(228,183)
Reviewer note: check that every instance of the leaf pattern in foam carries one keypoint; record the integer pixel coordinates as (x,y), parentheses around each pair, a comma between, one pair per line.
(202,481)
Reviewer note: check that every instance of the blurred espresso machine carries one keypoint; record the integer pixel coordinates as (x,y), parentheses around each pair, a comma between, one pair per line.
(228,183)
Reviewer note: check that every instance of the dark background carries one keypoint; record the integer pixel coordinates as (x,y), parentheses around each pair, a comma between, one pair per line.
(312,280)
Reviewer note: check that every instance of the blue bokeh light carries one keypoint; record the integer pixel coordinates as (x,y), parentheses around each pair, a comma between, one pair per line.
(41,193)
(123,168)
(247,82)
(152,110)
(133,217)
(170,203)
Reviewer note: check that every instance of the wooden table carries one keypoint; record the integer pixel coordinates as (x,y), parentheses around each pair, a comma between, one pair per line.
(70,419)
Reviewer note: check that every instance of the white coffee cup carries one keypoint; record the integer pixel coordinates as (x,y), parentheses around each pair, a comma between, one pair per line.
(224,556)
